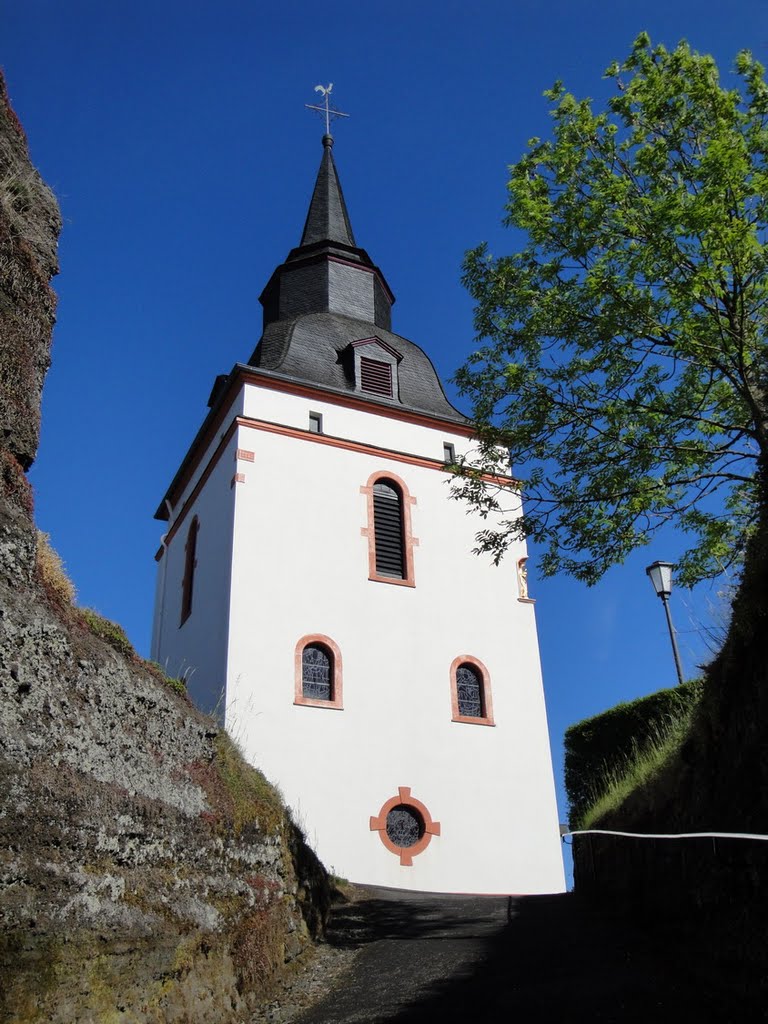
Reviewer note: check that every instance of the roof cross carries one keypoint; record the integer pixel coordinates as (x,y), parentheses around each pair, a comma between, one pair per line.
(326,110)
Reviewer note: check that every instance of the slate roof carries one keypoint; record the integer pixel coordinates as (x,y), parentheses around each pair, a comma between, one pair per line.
(327,219)
(311,319)
(310,349)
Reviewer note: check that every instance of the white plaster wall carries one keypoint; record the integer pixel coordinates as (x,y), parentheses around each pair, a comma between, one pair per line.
(197,649)
(353,424)
(300,566)
(236,409)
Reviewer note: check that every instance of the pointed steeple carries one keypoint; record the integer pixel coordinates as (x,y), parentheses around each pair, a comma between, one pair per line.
(328,272)
(327,219)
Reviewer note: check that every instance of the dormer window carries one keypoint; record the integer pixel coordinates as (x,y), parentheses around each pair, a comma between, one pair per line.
(375,367)
(375,377)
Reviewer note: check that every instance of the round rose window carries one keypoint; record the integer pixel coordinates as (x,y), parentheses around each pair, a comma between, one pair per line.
(405,826)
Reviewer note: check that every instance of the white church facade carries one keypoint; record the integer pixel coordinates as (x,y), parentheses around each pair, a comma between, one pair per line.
(318,583)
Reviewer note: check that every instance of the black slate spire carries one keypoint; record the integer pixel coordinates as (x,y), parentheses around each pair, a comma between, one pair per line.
(327,299)
(328,271)
(327,219)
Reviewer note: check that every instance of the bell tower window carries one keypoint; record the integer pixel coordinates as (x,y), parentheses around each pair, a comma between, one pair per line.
(375,377)
(374,364)
(388,530)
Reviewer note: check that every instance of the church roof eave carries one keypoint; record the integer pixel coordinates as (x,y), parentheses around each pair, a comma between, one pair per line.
(228,390)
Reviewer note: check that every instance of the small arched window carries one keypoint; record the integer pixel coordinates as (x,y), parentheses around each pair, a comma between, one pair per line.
(190,563)
(470,692)
(318,672)
(388,529)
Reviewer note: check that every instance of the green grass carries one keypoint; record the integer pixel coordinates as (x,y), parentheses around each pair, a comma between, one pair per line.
(107,630)
(177,685)
(642,766)
(253,799)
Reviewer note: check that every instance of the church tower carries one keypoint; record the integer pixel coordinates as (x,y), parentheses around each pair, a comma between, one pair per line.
(318,584)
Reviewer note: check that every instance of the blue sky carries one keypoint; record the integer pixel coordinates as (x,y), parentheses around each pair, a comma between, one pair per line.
(176,139)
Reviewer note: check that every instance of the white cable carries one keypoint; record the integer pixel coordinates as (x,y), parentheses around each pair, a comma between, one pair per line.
(663,835)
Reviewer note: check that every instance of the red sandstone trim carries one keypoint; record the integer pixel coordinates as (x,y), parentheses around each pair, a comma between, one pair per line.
(409,541)
(382,344)
(201,482)
(487,718)
(244,454)
(378,824)
(337,703)
(238,478)
(252,376)
(334,442)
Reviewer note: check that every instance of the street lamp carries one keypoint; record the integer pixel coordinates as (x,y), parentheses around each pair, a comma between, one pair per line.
(660,574)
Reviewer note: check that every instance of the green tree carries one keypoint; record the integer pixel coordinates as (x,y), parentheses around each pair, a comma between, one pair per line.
(624,347)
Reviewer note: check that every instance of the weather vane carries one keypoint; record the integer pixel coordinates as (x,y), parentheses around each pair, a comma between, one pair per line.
(326,110)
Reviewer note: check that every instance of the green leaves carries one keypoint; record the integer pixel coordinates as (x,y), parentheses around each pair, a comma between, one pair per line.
(624,347)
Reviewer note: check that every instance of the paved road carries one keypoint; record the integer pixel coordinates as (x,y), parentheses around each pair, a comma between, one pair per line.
(428,957)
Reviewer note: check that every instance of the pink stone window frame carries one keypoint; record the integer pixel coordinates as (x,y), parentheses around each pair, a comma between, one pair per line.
(337,703)
(378,823)
(369,531)
(485,681)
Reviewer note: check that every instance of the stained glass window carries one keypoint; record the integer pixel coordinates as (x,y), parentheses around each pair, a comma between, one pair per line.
(405,826)
(316,672)
(469,688)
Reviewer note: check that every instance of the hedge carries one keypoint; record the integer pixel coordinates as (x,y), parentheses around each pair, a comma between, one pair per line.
(604,744)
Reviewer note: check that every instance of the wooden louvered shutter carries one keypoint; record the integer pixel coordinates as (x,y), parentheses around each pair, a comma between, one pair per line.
(375,377)
(388,529)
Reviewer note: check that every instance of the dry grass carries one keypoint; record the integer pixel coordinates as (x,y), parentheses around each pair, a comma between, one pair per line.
(52,574)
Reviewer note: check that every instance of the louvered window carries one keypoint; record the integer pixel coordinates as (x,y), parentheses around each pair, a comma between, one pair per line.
(469,687)
(388,529)
(375,377)
(190,562)
(317,672)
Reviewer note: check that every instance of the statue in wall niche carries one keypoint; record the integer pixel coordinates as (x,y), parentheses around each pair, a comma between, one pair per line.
(522,577)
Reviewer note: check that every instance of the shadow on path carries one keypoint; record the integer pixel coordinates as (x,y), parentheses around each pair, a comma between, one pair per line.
(431,957)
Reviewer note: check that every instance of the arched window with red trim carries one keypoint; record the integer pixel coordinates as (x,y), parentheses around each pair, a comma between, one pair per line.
(471,691)
(390,537)
(318,675)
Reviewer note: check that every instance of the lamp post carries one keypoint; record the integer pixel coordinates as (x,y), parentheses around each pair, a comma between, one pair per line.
(660,574)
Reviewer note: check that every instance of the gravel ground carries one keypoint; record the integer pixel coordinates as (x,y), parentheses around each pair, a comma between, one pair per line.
(322,968)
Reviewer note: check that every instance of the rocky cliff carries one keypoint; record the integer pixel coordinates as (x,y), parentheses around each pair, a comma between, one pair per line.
(146,873)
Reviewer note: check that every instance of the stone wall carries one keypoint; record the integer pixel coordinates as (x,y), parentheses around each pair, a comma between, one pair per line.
(146,872)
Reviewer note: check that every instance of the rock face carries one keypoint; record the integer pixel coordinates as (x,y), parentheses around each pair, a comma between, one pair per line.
(146,872)
(29,229)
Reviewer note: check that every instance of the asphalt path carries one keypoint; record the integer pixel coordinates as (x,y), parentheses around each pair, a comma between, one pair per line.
(426,957)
